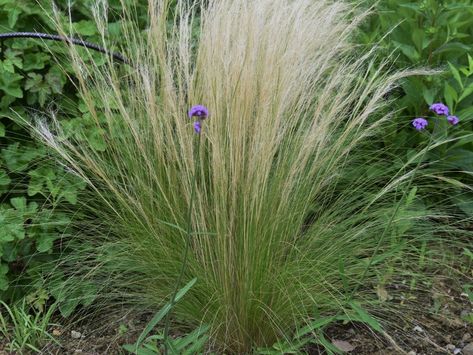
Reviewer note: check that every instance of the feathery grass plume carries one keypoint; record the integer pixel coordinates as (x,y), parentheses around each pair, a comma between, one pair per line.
(280,203)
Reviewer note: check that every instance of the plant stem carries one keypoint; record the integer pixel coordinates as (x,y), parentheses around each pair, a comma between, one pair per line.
(187,246)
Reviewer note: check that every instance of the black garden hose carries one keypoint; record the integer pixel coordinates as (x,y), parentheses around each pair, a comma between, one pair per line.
(76,41)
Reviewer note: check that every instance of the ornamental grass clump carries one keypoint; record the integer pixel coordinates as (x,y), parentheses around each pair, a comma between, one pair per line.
(284,217)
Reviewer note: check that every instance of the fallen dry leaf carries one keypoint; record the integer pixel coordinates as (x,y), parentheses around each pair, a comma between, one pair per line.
(382,293)
(343,345)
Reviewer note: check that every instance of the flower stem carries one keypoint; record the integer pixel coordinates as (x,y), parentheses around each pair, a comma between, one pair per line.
(187,246)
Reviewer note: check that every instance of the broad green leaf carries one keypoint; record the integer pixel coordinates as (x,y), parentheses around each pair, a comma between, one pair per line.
(85,28)
(190,338)
(467,92)
(14,57)
(12,225)
(144,351)
(467,252)
(36,84)
(331,349)
(13,16)
(19,203)
(45,242)
(39,178)
(33,81)
(4,178)
(68,306)
(365,317)
(7,66)
(418,39)
(17,158)
(69,194)
(197,346)
(10,84)
(456,74)
(429,96)
(408,50)
(460,157)
(89,293)
(35,61)
(161,313)
(55,79)
(458,47)
(319,323)
(129,347)
(450,95)
(411,6)
(95,138)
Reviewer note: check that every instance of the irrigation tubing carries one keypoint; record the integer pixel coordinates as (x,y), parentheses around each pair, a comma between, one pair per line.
(69,40)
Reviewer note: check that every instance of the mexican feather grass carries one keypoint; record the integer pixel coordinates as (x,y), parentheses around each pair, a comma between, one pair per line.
(284,217)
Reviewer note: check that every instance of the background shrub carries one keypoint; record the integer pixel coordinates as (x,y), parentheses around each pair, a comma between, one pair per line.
(34,191)
(435,34)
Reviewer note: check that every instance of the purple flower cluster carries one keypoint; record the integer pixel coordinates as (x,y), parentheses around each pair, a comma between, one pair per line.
(420,123)
(439,109)
(453,120)
(201,113)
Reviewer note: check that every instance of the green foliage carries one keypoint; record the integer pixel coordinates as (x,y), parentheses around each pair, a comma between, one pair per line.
(313,332)
(24,329)
(191,343)
(433,34)
(34,192)
(30,187)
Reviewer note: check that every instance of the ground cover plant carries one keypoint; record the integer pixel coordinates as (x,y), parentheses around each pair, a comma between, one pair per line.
(270,149)
(24,331)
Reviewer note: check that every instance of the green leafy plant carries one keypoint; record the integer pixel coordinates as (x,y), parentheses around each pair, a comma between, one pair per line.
(435,34)
(23,329)
(313,332)
(32,190)
(191,343)
(31,80)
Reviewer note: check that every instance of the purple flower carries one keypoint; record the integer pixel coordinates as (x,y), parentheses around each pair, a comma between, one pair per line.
(199,111)
(197,127)
(453,120)
(439,109)
(420,123)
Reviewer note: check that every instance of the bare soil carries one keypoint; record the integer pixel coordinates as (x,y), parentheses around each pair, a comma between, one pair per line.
(445,331)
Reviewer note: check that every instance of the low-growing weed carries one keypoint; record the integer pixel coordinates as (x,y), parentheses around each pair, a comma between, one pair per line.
(191,343)
(25,329)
